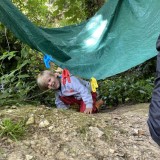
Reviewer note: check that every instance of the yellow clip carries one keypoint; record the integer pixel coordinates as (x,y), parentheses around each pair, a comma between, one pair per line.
(94,84)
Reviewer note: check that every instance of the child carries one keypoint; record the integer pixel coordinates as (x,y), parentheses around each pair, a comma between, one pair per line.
(69,90)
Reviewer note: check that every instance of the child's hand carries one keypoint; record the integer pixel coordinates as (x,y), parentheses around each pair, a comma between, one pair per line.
(88,111)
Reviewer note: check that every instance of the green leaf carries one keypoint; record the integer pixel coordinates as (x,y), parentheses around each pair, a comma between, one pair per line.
(23,76)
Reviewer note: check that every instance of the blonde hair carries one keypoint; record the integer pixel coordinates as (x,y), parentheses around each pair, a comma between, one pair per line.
(40,79)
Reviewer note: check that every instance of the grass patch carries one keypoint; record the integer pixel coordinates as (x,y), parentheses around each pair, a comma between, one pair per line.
(83,130)
(13,130)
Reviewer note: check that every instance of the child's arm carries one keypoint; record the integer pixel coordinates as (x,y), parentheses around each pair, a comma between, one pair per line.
(83,91)
(59,103)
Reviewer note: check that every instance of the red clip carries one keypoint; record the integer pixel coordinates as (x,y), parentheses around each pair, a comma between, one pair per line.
(65,76)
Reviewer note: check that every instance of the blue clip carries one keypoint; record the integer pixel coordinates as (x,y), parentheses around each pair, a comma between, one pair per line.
(47,59)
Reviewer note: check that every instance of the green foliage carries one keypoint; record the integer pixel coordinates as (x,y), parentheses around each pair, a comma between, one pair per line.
(35,10)
(126,89)
(18,70)
(69,11)
(13,130)
(49,13)
(7,40)
(134,86)
(75,11)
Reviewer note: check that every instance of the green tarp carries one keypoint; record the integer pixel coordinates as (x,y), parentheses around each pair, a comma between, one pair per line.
(121,35)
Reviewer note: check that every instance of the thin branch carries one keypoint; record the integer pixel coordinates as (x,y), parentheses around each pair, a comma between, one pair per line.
(27,99)
(7,39)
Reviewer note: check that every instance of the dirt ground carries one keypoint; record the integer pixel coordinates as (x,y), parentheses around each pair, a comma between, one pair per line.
(119,134)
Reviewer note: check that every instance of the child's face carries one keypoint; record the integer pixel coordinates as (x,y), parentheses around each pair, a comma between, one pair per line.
(52,82)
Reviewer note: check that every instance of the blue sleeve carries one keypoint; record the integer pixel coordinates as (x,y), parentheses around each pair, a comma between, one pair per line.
(59,103)
(84,92)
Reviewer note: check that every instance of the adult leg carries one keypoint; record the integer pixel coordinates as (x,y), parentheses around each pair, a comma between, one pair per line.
(154,109)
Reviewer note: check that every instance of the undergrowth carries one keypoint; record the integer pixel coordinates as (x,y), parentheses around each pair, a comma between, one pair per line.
(11,129)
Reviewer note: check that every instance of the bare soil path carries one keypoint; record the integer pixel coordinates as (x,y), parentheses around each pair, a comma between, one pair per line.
(120,134)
